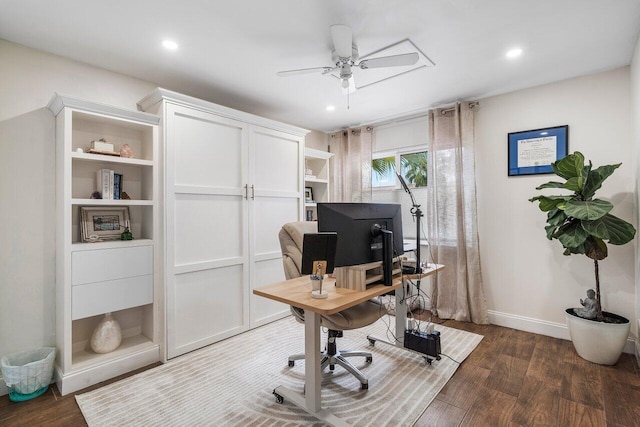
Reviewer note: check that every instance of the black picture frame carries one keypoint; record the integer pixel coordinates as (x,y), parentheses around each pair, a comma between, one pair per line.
(308,194)
(531,152)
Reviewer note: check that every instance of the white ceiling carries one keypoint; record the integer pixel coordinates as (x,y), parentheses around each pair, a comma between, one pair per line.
(231,50)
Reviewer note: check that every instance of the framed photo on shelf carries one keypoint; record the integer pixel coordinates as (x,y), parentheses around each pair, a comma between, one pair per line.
(532,152)
(308,194)
(98,223)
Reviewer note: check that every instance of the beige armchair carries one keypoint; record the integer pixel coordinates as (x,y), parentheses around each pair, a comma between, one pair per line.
(366,313)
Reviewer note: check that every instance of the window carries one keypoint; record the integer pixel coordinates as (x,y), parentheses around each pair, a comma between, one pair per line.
(383,172)
(413,167)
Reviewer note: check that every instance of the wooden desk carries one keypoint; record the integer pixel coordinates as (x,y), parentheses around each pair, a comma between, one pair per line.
(297,292)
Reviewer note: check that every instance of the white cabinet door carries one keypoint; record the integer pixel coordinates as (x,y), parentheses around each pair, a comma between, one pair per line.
(207,255)
(275,166)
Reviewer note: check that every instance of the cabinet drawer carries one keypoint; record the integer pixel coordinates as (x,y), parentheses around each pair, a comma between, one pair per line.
(110,264)
(113,295)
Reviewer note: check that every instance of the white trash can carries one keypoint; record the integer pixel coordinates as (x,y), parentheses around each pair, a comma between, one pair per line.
(28,373)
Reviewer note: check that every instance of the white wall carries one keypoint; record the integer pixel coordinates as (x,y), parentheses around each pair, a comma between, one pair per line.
(528,282)
(635,138)
(317,140)
(28,80)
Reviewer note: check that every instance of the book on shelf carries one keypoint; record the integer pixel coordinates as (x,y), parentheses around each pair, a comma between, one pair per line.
(102,182)
(117,186)
(109,184)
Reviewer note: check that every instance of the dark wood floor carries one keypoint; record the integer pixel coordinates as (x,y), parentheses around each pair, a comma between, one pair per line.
(512,378)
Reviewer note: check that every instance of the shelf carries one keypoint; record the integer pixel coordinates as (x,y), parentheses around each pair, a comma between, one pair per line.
(110,244)
(312,153)
(103,202)
(110,159)
(85,358)
(318,180)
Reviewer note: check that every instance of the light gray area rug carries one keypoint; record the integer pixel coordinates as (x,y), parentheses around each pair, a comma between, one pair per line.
(230,383)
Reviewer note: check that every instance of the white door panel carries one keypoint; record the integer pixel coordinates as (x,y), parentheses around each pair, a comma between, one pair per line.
(207,241)
(276,161)
(207,151)
(264,310)
(208,228)
(270,215)
(211,306)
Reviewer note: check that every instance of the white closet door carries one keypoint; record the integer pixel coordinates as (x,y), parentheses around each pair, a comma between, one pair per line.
(206,236)
(275,167)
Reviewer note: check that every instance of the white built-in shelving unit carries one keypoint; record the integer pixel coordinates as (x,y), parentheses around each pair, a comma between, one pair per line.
(317,177)
(118,277)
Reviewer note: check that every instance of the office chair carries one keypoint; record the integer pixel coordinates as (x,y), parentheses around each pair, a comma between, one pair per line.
(363,314)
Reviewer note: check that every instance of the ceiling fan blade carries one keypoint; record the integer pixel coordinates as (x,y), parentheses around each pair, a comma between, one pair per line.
(389,61)
(323,70)
(342,40)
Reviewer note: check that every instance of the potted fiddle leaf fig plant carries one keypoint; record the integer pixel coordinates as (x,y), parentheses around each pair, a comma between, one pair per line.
(584,225)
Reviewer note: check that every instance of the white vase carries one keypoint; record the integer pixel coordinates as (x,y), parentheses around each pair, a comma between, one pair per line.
(107,336)
(597,342)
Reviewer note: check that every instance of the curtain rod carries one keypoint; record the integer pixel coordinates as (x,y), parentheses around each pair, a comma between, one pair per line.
(471,105)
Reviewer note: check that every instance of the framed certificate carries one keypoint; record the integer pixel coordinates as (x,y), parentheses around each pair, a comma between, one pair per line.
(532,151)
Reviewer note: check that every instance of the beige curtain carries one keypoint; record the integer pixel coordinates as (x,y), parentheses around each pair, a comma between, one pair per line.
(451,212)
(351,165)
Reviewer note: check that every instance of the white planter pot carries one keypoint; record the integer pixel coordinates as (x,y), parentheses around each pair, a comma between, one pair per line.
(597,342)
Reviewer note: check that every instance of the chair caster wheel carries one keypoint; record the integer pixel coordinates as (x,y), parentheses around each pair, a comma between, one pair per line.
(372,343)
(332,367)
(369,359)
(427,361)
(279,398)
(364,386)
(291,363)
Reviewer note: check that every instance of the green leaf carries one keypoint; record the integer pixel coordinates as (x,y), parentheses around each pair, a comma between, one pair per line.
(569,167)
(617,231)
(556,217)
(572,236)
(596,249)
(549,202)
(551,229)
(574,184)
(587,209)
(580,249)
(595,179)
(551,184)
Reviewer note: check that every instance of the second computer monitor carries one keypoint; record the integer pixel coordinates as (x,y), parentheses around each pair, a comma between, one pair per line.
(355,224)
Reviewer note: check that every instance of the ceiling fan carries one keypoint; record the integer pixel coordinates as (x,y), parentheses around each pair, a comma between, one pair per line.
(345,56)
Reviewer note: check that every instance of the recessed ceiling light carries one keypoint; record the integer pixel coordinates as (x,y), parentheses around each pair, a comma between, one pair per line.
(331,107)
(514,53)
(170,44)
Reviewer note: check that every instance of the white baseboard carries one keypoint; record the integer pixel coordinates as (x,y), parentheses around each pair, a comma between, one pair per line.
(542,327)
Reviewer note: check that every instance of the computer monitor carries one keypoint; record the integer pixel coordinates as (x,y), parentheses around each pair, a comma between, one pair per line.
(318,247)
(367,232)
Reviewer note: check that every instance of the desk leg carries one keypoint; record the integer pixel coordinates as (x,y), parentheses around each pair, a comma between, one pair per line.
(401,320)
(401,314)
(312,361)
(311,401)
